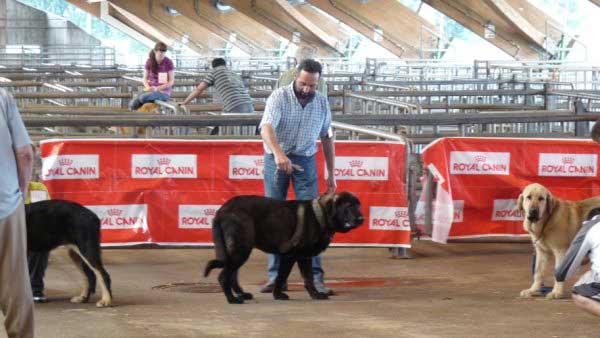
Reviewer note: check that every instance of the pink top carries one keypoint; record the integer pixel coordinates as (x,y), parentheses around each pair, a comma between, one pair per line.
(162,74)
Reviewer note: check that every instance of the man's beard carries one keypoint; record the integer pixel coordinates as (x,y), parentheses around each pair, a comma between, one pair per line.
(304,96)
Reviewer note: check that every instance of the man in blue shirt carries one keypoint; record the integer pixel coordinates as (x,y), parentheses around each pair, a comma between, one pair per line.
(295,117)
(16,165)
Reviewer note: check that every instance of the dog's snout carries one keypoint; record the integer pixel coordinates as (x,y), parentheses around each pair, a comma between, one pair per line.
(360,219)
(533,214)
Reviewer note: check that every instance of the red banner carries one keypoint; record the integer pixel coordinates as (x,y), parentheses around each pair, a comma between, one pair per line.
(483,178)
(167,191)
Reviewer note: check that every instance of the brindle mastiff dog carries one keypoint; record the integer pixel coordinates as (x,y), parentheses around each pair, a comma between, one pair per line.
(297,230)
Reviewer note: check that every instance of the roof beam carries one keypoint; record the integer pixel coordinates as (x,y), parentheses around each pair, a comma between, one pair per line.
(102,10)
(326,23)
(597,2)
(509,13)
(282,18)
(293,13)
(247,34)
(476,14)
(145,19)
(529,20)
(405,37)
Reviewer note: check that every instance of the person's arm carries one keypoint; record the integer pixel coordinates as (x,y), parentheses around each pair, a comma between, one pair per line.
(24,157)
(578,250)
(281,160)
(327,142)
(201,87)
(170,81)
(146,82)
(329,152)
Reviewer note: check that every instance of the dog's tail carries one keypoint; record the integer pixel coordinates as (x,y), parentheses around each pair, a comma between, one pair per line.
(219,242)
(212,264)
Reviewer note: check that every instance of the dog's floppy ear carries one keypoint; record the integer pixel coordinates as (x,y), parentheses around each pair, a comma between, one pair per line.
(550,203)
(520,203)
(328,202)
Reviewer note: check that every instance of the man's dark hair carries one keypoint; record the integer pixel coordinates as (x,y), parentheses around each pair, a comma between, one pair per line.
(218,62)
(309,66)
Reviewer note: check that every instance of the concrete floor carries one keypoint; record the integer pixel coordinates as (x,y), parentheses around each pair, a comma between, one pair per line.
(454,290)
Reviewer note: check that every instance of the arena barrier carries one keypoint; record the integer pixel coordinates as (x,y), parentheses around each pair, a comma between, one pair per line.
(476,181)
(167,191)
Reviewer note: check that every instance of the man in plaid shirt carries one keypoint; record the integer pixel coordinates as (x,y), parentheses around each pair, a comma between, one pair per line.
(295,117)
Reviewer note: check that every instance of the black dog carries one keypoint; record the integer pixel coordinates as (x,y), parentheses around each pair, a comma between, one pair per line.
(56,222)
(298,230)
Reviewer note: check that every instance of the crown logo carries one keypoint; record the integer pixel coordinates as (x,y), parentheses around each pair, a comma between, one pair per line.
(164,161)
(65,162)
(210,212)
(400,214)
(114,212)
(568,160)
(480,158)
(356,163)
(259,162)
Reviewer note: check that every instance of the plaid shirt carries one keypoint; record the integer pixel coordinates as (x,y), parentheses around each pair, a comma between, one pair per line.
(296,128)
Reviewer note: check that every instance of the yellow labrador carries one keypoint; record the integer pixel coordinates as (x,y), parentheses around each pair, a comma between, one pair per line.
(552,224)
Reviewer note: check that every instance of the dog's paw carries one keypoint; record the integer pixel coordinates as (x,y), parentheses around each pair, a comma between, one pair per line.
(104,303)
(555,295)
(79,299)
(527,293)
(235,300)
(246,296)
(319,295)
(281,296)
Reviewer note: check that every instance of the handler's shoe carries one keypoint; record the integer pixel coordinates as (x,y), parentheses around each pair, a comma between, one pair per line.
(39,297)
(268,288)
(321,288)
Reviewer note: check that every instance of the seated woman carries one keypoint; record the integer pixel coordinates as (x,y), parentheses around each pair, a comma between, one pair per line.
(159,77)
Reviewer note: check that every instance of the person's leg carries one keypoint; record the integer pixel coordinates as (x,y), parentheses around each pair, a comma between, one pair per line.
(15,290)
(276,185)
(147,97)
(306,187)
(136,102)
(587,304)
(244,108)
(38,262)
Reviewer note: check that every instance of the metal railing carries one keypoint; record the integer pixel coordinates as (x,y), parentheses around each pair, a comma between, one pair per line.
(57,55)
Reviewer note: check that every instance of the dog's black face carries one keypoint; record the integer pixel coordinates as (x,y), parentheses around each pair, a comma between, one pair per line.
(346,212)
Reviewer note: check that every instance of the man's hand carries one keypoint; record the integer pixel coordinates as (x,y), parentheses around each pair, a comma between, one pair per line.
(331,185)
(283,163)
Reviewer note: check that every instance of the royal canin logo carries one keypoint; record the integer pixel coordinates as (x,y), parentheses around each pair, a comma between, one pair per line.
(568,160)
(480,158)
(210,212)
(164,161)
(259,162)
(114,212)
(398,214)
(65,162)
(356,163)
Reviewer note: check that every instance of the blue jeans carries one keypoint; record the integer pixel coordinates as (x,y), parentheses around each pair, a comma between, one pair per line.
(305,184)
(146,97)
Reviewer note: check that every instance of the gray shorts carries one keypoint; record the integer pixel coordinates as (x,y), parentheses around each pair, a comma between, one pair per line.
(588,286)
